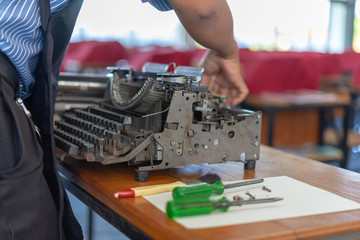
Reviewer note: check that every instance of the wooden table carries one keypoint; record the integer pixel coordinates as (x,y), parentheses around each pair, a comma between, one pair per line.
(95,185)
(287,122)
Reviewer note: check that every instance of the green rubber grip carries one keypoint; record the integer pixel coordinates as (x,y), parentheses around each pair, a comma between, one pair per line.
(198,190)
(193,207)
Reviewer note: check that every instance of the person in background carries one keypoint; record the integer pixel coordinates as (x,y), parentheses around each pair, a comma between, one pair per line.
(34,35)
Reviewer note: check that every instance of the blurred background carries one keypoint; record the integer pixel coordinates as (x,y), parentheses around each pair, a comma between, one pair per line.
(130,33)
(307,25)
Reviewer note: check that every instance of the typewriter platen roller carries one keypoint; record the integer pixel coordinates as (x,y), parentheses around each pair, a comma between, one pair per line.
(157,120)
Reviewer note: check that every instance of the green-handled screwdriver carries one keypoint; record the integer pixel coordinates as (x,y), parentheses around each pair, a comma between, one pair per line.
(193,207)
(205,190)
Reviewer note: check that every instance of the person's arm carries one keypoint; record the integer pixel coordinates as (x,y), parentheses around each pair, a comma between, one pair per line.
(210,23)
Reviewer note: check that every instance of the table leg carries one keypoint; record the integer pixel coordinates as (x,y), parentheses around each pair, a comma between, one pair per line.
(90,224)
(271,120)
(104,211)
(322,123)
(343,144)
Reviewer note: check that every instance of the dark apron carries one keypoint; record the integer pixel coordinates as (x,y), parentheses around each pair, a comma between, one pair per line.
(33,202)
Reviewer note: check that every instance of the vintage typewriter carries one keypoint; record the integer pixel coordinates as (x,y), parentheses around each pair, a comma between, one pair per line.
(155,119)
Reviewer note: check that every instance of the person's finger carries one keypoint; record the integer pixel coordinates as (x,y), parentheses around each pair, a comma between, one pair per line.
(212,83)
(235,97)
(224,91)
(231,97)
(241,97)
(206,80)
(215,88)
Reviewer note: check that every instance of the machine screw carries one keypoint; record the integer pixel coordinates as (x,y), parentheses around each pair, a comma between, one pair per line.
(224,157)
(216,142)
(256,143)
(190,151)
(266,189)
(237,197)
(205,146)
(190,133)
(179,150)
(251,196)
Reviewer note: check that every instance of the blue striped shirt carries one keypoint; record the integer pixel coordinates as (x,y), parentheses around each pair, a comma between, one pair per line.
(22,38)
(161,5)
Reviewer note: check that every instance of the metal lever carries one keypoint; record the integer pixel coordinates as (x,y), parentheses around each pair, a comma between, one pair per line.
(22,106)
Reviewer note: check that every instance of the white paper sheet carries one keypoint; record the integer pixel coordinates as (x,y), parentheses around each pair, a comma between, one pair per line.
(300,199)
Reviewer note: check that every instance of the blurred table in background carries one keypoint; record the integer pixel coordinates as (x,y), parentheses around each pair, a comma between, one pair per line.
(294,118)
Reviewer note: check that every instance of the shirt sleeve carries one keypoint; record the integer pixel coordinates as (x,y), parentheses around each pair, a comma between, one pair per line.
(161,5)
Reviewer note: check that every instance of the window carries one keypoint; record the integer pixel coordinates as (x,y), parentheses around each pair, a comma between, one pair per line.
(356,40)
(299,25)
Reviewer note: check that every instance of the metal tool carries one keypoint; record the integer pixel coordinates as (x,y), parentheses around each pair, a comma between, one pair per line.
(250,195)
(237,197)
(205,190)
(191,207)
(168,187)
(22,106)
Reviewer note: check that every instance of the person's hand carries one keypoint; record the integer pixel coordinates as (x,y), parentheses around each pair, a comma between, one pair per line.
(223,76)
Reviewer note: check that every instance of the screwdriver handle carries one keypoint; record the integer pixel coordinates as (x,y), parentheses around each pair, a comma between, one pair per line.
(198,190)
(148,190)
(192,207)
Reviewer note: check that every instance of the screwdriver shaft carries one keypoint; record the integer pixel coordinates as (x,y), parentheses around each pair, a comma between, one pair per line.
(253,201)
(239,184)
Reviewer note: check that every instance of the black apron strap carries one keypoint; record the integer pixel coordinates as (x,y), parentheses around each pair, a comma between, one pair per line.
(45,14)
(58,28)
(8,71)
